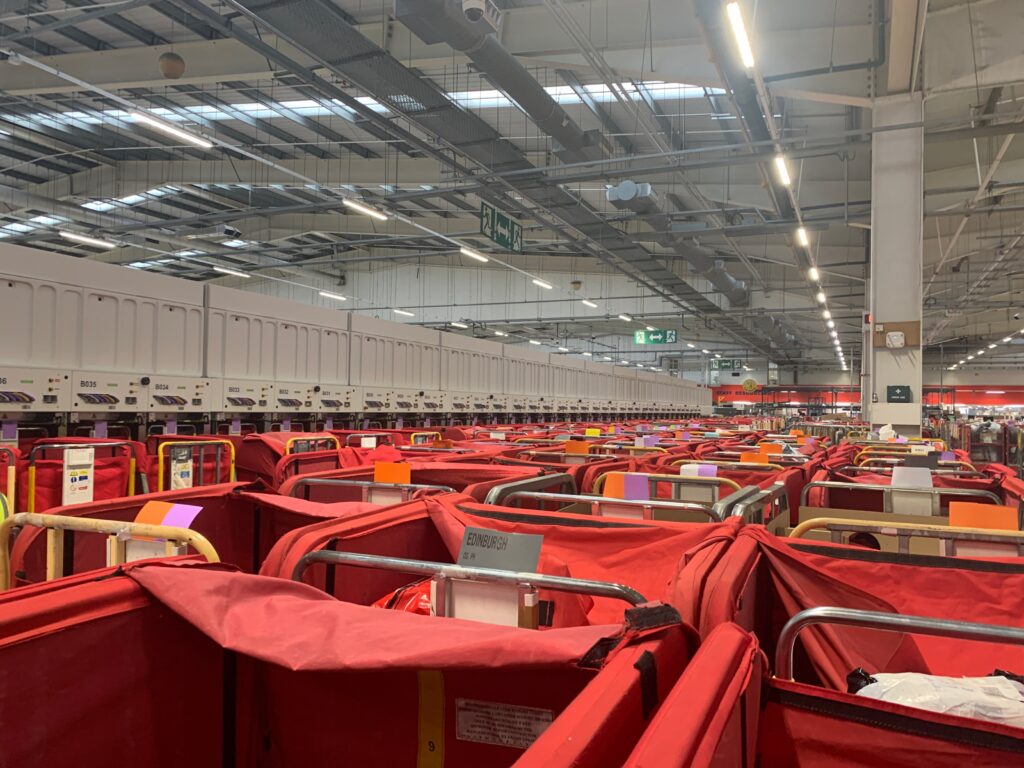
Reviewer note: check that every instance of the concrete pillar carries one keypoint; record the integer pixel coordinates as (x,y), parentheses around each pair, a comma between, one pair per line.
(897,212)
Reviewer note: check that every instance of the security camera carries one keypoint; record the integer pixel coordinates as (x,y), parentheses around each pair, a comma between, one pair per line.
(229,231)
(1016,316)
(474,9)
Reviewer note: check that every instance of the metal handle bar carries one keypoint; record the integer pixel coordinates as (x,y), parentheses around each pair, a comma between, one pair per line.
(776,493)
(497,495)
(596,501)
(117,529)
(886,470)
(887,622)
(674,480)
(466,573)
(905,531)
(311,442)
(171,445)
(132,464)
(378,435)
(340,482)
(12,478)
(731,465)
(888,489)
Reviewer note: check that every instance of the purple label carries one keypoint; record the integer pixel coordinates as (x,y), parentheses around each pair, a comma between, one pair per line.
(902,440)
(328,424)
(236,427)
(687,436)
(947,456)
(636,486)
(10,430)
(651,441)
(286,425)
(171,427)
(426,422)
(399,423)
(99,429)
(707,470)
(181,515)
(366,423)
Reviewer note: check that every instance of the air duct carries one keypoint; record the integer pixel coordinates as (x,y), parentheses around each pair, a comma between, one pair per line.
(643,200)
(437,21)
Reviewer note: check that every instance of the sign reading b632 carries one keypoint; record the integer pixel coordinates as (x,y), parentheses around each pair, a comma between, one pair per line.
(655,337)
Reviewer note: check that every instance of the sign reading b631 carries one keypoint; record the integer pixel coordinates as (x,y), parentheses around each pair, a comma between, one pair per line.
(655,337)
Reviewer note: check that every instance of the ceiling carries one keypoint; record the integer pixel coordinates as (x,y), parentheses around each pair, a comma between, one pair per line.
(308,103)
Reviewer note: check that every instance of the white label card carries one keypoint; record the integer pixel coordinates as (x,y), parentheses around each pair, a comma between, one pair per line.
(79,475)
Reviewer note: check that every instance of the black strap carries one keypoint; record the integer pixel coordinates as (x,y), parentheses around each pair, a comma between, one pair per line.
(648,670)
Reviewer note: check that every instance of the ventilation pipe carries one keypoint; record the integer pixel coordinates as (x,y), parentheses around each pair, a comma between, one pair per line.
(642,200)
(437,21)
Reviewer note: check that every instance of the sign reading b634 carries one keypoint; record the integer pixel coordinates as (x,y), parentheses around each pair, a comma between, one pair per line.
(655,337)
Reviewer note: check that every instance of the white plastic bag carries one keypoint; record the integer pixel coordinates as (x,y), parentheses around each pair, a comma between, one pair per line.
(995,699)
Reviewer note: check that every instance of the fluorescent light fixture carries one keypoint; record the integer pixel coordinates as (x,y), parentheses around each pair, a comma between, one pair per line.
(782,171)
(650,327)
(991,346)
(86,240)
(717,356)
(563,349)
(335,296)
(535,342)
(232,272)
(606,358)
(951,368)
(836,342)
(403,312)
(979,353)
(801,237)
(961,362)
(624,362)
(995,392)
(691,346)
(706,351)
(366,210)
(826,314)
(639,365)
(831,323)
(747,368)
(1007,339)
(170,130)
(626,318)
(541,284)
(820,297)
(587,354)
(739,31)
(833,333)
(970,357)
(456,324)
(589,303)
(500,333)
(473,254)
(813,274)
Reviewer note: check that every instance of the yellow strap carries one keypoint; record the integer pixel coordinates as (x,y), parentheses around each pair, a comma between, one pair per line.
(431,719)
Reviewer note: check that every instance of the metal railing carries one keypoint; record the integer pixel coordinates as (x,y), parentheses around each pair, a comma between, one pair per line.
(449,571)
(133,463)
(200,445)
(407,491)
(596,504)
(497,495)
(304,444)
(117,532)
(904,532)
(889,491)
(887,622)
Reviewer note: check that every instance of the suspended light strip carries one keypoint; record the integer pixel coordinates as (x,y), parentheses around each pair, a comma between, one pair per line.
(86,240)
(802,238)
(232,272)
(813,274)
(500,333)
(826,314)
(820,297)
(335,296)
(563,349)
(473,255)
(455,324)
(782,171)
(587,354)
(364,209)
(589,303)
(403,312)
(626,318)
(739,31)
(541,284)
(170,130)
(535,342)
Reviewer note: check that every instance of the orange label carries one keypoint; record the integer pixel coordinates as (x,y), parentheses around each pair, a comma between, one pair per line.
(969,514)
(577,446)
(615,485)
(153,512)
(392,472)
(749,457)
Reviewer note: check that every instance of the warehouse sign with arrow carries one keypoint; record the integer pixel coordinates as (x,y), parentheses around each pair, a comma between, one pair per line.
(656,336)
(501,228)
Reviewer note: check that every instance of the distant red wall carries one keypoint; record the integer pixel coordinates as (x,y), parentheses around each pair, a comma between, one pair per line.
(976,394)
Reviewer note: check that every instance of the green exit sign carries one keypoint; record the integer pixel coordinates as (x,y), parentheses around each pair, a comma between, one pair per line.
(501,228)
(655,337)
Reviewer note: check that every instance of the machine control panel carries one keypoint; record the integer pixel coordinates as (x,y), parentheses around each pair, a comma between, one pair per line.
(289,396)
(338,399)
(519,404)
(407,400)
(246,396)
(34,389)
(434,402)
(376,400)
(462,402)
(180,394)
(99,392)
